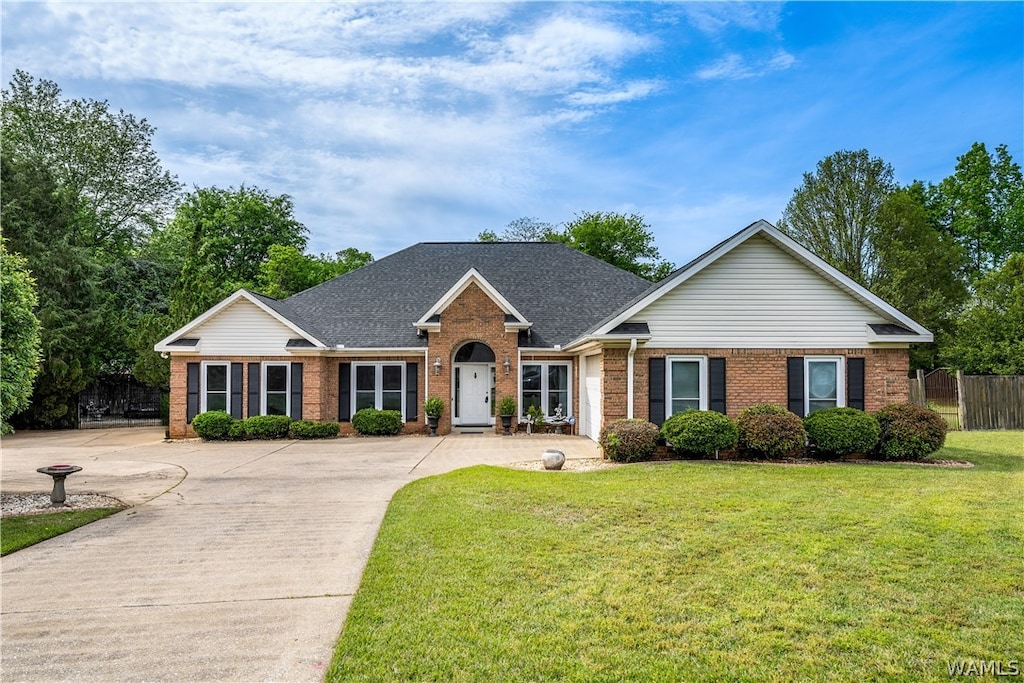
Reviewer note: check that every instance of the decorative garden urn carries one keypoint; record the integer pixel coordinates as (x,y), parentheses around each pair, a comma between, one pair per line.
(553,459)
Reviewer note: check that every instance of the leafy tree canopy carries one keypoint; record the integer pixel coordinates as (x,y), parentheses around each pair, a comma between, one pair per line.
(834,213)
(288,270)
(522,230)
(102,158)
(19,335)
(990,334)
(982,206)
(622,240)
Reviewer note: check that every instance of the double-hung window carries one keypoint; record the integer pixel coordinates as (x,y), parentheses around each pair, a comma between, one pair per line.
(823,383)
(276,388)
(216,388)
(686,383)
(379,385)
(546,386)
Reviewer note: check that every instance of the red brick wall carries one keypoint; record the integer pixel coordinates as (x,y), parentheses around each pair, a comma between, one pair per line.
(755,376)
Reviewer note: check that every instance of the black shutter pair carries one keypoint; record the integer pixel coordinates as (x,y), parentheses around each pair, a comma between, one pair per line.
(656,379)
(193,384)
(795,384)
(345,392)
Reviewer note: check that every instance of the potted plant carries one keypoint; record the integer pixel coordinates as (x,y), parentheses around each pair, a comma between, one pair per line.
(506,409)
(433,407)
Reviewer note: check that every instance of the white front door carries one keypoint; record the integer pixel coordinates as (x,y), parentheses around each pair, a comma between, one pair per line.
(473,386)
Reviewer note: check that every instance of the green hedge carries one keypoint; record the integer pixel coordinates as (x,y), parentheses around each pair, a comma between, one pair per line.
(307,429)
(374,422)
(769,431)
(213,425)
(629,440)
(700,431)
(268,426)
(836,432)
(909,432)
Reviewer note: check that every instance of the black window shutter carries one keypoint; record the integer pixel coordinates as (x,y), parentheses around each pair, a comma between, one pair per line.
(656,384)
(855,383)
(236,391)
(344,392)
(411,392)
(296,391)
(716,385)
(191,391)
(795,382)
(254,390)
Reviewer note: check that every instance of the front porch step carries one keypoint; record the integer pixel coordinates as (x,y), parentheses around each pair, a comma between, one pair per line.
(485,430)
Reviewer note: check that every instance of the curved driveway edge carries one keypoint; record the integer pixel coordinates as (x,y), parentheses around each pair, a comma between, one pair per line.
(243,571)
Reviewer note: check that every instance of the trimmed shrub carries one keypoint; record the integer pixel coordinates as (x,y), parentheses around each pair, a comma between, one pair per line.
(700,431)
(909,432)
(267,426)
(307,429)
(629,440)
(836,432)
(374,422)
(237,431)
(768,431)
(213,425)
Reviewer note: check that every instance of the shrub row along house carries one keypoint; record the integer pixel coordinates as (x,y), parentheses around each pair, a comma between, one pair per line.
(756,319)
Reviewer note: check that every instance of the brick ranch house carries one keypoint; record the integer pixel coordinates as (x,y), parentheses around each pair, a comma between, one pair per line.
(757,318)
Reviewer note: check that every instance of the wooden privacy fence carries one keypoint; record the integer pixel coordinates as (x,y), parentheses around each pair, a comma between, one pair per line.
(971,401)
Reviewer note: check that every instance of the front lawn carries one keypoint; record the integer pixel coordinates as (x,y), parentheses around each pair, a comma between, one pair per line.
(698,571)
(20,532)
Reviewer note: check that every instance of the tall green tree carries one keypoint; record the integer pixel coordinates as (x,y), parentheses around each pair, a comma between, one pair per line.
(104,159)
(288,270)
(982,206)
(622,240)
(989,337)
(42,223)
(19,335)
(229,234)
(521,230)
(834,212)
(920,270)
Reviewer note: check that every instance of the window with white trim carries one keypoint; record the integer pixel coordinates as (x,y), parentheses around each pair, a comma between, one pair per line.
(277,383)
(546,386)
(378,385)
(823,383)
(216,386)
(686,384)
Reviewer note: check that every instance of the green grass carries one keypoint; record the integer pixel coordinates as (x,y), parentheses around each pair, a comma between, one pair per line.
(697,571)
(20,532)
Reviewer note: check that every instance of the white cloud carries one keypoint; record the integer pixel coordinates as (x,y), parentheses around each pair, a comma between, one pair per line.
(715,17)
(734,66)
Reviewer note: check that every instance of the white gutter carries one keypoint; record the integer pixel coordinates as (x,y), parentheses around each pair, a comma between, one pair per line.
(426,380)
(629,378)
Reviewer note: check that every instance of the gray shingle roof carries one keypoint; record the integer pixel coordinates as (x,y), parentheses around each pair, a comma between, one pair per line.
(563,292)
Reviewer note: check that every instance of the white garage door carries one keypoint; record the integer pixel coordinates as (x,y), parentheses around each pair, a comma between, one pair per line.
(592,396)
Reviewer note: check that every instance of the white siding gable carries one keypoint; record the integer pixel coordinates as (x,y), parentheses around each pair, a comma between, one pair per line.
(757,296)
(242,329)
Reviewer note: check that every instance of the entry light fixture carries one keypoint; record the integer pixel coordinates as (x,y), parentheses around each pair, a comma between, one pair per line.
(507,365)
(437,365)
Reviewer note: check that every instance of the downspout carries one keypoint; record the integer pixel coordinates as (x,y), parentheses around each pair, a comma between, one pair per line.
(426,379)
(629,378)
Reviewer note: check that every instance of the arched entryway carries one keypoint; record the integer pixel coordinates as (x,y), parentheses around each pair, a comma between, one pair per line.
(473,383)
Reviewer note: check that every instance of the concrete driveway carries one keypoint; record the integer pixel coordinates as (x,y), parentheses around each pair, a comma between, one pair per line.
(237,561)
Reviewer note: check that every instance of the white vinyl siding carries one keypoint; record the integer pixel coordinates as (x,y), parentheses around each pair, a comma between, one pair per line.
(242,329)
(757,296)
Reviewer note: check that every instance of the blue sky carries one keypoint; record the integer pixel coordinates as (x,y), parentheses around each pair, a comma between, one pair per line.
(394,123)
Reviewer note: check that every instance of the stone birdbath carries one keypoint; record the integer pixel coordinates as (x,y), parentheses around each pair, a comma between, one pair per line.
(59,473)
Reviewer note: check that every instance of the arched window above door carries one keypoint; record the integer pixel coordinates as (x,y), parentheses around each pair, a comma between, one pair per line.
(474,352)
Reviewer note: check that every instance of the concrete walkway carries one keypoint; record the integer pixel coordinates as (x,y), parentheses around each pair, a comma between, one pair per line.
(237,562)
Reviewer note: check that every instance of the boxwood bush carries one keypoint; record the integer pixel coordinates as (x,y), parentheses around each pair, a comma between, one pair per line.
(836,432)
(770,431)
(909,432)
(377,422)
(267,426)
(213,425)
(307,429)
(237,431)
(700,431)
(629,440)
